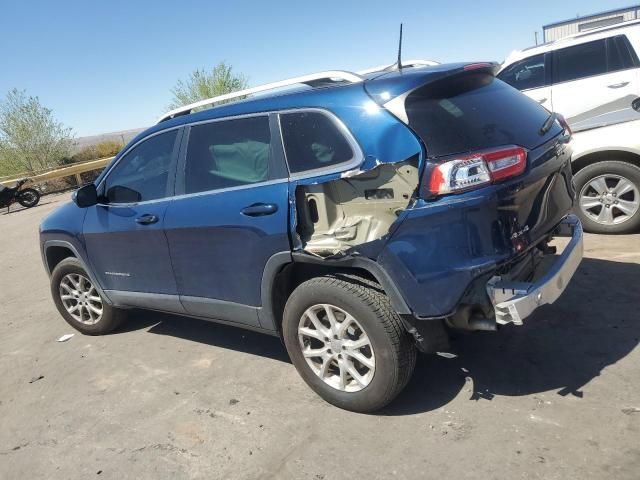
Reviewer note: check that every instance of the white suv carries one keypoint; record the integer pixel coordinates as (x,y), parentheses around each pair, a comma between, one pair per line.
(592,79)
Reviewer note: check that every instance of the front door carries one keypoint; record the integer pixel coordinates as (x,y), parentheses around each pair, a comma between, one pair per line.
(124,233)
(230,215)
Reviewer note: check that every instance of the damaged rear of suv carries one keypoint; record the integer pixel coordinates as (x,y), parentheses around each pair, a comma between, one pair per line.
(358,218)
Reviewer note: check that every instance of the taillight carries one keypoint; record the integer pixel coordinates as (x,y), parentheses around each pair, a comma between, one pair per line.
(506,163)
(472,171)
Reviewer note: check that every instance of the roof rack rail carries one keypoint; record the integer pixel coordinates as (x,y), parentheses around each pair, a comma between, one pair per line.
(405,64)
(311,79)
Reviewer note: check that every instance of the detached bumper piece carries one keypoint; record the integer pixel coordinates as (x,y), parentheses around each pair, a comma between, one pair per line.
(514,301)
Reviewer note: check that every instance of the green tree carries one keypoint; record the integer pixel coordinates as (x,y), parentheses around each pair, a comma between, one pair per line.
(202,84)
(31,138)
(107,148)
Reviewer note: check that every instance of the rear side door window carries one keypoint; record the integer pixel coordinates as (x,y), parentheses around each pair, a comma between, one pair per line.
(144,172)
(313,141)
(526,74)
(227,154)
(580,61)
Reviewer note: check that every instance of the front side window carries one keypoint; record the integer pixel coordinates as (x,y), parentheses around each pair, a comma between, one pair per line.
(621,55)
(227,154)
(525,74)
(142,174)
(580,61)
(312,141)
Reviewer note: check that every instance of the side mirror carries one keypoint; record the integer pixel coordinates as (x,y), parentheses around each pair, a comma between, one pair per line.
(636,104)
(86,196)
(120,194)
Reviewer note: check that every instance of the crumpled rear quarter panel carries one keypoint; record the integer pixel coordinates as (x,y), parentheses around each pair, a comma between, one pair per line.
(441,246)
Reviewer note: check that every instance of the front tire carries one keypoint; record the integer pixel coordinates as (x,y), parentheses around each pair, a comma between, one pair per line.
(347,342)
(28,197)
(79,302)
(608,197)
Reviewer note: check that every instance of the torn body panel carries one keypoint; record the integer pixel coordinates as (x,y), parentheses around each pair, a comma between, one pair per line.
(337,215)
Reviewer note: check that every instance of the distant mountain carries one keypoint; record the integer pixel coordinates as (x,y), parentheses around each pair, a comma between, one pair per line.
(123,136)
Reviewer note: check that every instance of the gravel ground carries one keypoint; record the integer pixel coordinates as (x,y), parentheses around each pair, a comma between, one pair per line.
(171,397)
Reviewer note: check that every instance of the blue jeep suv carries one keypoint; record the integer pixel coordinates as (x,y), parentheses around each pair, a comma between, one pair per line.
(358,217)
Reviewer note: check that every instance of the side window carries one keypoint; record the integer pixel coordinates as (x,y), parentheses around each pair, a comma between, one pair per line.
(580,61)
(312,141)
(142,174)
(527,73)
(620,54)
(227,153)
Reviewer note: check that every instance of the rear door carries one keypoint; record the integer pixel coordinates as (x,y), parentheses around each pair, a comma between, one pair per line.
(229,217)
(593,81)
(124,233)
(532,77)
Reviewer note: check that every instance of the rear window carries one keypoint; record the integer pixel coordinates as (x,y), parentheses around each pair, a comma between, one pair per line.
(474,112)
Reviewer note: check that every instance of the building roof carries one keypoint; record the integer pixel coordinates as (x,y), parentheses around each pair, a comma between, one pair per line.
(591,16)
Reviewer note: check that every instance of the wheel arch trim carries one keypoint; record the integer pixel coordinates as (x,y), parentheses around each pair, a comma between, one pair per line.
(278,261)
(63,243)
(587,157)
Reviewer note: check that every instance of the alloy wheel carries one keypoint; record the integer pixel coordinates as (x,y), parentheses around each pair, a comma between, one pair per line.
(81,299)
(609,199)
(336,347)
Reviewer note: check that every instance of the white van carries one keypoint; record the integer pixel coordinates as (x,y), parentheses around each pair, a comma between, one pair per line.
(592,78)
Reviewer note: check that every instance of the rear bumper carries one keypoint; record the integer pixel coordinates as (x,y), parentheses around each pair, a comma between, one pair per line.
(514,301)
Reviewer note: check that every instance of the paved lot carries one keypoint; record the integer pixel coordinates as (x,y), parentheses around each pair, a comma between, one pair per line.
(169,397)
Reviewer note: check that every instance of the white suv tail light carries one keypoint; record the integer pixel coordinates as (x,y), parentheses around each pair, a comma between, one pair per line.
(471,171)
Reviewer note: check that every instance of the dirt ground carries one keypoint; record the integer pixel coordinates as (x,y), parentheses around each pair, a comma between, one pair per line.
(170,397)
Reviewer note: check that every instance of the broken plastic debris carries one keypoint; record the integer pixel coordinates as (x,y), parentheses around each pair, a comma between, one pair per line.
(447,354)
(66,337)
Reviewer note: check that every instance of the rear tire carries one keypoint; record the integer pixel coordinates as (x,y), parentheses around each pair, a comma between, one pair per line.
(28,197)
(79,302)
(367,356)
(608,197)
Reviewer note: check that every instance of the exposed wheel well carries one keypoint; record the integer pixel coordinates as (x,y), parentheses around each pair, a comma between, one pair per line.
(595,157)
(293,274)
(56,254)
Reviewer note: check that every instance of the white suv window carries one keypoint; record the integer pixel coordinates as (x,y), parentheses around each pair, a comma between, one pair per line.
(525,74)
(580,61)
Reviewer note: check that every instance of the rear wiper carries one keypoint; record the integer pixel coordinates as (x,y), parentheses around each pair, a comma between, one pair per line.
(548,123)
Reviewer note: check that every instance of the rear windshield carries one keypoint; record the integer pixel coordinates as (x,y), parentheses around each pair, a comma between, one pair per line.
(474,112)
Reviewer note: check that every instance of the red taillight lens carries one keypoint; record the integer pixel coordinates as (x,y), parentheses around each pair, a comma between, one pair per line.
(472,171)
(506,163)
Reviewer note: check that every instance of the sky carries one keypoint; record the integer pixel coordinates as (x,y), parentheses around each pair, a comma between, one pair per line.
(108,66)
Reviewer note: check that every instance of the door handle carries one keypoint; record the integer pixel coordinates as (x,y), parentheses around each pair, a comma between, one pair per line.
(542,100)
(147,219)
(618,85)
(259,209)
